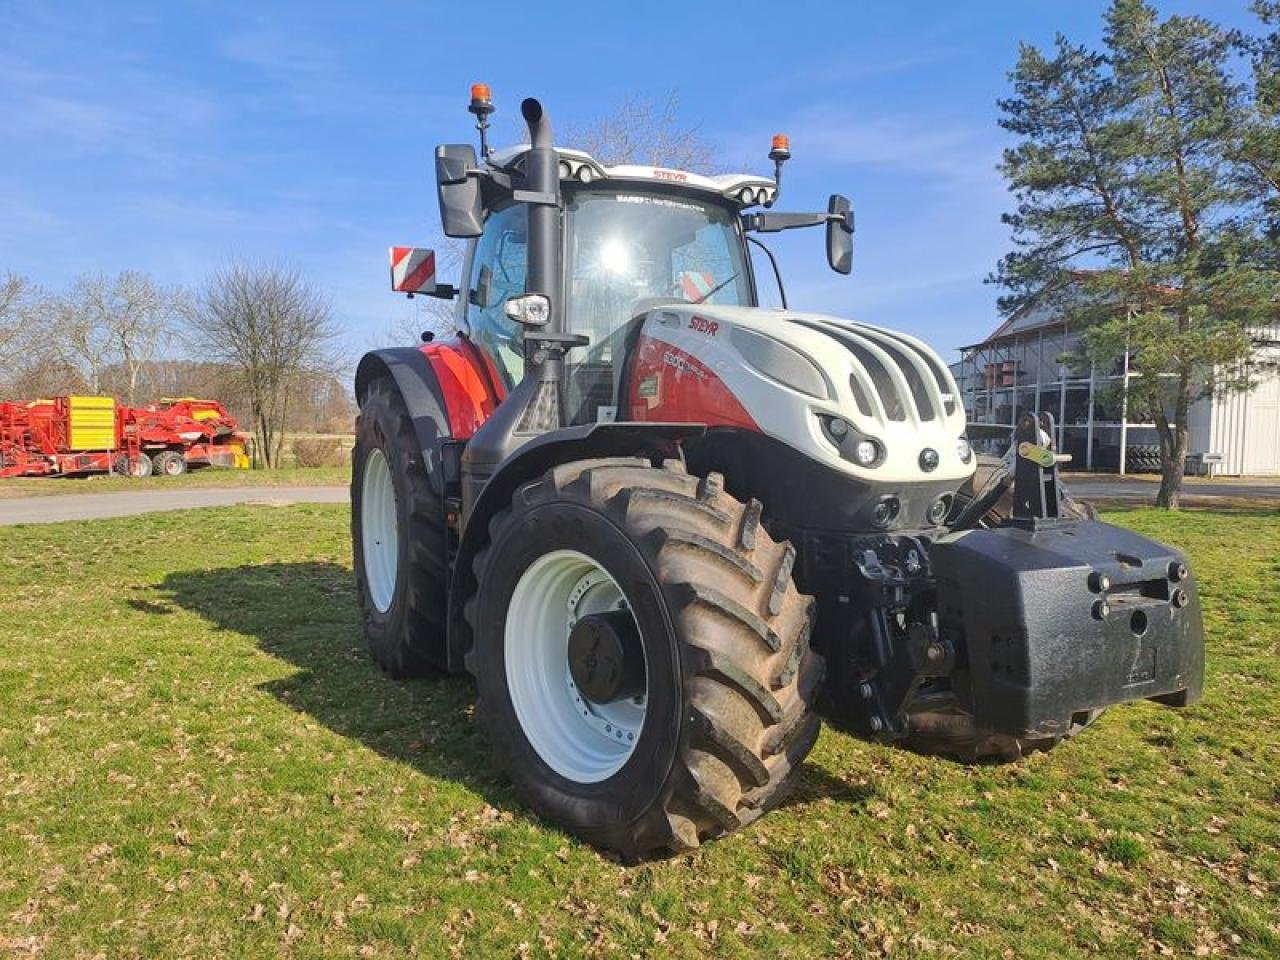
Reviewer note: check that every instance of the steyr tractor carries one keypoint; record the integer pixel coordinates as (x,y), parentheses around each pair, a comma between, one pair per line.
(663,527)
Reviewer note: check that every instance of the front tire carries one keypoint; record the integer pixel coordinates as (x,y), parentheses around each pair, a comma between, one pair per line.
(719,718)
(397,538)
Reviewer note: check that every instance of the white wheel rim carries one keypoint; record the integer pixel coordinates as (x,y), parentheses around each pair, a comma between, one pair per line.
(582,741)
(380,540)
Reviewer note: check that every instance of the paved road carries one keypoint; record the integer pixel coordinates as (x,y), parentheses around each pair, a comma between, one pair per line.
(92,506)
(1135,488)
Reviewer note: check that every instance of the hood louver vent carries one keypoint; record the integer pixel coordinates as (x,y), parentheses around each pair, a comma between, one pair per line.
(894,378)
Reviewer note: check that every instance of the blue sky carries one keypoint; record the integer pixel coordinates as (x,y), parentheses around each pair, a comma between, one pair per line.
(169,137)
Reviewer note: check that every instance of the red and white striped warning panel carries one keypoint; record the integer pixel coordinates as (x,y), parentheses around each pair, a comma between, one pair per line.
(413,269)
(696,284)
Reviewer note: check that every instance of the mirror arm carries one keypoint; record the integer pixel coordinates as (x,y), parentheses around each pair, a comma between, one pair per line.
(498,177)
(443,291)
(777,222)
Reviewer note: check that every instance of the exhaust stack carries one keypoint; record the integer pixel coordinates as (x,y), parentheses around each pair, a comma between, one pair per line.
(542,194)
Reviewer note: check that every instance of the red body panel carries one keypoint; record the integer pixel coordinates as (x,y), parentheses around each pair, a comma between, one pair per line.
(471,387)
(668,385)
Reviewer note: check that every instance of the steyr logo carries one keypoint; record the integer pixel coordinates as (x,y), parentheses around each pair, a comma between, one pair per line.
(703,325)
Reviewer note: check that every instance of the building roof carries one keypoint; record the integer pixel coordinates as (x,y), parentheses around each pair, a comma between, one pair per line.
(1038,312)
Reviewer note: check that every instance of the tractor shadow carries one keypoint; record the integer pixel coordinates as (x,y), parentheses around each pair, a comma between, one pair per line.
(306,614)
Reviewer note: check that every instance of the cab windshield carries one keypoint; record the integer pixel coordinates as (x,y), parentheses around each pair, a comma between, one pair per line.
(630,248)
(627,252)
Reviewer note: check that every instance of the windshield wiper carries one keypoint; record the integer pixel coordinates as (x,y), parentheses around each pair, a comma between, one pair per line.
(716,289)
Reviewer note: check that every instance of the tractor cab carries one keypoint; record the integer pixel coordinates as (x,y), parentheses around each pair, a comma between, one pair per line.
(630,239)
(628,249)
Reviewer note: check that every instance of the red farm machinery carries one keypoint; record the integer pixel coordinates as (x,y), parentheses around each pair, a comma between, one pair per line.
(78,435)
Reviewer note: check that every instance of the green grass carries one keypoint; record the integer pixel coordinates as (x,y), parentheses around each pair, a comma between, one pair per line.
(197,759)
(211,477)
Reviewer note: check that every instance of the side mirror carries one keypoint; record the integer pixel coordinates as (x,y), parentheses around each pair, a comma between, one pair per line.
(840,234)
(461,209)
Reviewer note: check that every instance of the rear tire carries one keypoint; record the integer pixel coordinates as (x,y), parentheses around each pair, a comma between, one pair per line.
(169,463)
(397,538)
(950,732)
(723,641)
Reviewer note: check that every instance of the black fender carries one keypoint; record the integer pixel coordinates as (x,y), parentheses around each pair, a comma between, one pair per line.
(537,456)
(423,397)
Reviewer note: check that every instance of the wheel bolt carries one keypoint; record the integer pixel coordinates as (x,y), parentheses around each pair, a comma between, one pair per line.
(1177,571)
(1099,582)
(1100,609)
(876,725)
(1180,598)
(866,691)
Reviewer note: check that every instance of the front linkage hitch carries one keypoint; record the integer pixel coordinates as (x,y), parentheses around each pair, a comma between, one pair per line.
(1026,625)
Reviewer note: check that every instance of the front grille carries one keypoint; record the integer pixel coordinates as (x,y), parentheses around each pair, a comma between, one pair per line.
(894,376)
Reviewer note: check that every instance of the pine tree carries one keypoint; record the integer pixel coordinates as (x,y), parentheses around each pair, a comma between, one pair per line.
(1122,175)
(1257,150)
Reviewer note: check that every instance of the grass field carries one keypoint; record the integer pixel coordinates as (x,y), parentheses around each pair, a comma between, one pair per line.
(109,482)
(197,759)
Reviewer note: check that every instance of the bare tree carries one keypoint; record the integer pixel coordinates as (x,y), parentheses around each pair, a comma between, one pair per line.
(643,130)
(266,322)
(138,318)
(77,333)
(15,318)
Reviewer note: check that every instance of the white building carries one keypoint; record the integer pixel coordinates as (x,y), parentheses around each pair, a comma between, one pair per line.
(1019,367)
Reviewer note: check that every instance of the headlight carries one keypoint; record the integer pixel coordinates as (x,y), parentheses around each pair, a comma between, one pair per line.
(529,309)
(964,448)
(865,453)
(854,446)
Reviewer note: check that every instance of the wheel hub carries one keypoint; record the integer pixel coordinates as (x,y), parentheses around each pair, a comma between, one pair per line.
(606,659)
(575,666)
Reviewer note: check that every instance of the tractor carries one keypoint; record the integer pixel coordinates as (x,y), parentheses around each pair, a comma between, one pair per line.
(666,529)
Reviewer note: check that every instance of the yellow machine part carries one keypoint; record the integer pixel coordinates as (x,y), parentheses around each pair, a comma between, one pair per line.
(196,414)
(93,423)
(231,456)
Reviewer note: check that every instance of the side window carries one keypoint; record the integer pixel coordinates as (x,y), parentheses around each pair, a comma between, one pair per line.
(498,271)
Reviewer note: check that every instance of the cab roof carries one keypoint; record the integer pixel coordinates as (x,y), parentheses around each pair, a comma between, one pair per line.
(744,189)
